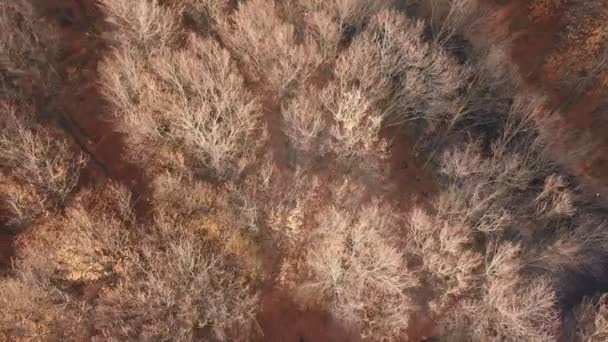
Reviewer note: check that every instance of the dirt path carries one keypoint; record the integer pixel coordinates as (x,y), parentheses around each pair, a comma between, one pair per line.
(80,106)
(7,250)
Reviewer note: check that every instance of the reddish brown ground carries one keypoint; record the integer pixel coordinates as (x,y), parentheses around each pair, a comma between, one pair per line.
(560,47)
(282,320)
(7,250)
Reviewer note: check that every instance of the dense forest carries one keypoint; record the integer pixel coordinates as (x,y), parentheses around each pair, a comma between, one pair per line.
(303,170)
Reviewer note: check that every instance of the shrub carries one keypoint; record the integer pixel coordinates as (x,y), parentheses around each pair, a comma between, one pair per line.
(358,274)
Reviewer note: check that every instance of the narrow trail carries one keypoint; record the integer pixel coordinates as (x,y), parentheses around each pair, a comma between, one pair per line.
(7,250)
(79,105)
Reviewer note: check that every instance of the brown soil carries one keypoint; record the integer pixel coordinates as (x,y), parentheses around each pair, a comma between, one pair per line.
(281,321)
(7,250)
(413,182)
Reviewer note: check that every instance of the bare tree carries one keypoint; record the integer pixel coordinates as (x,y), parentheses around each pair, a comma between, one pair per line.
(358,274)
(304,121)
(269,47)
(145,25)
(35,156)
(403,76)
(197,105)
(356,128)
(207,14)
(349,15)
(174,291)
